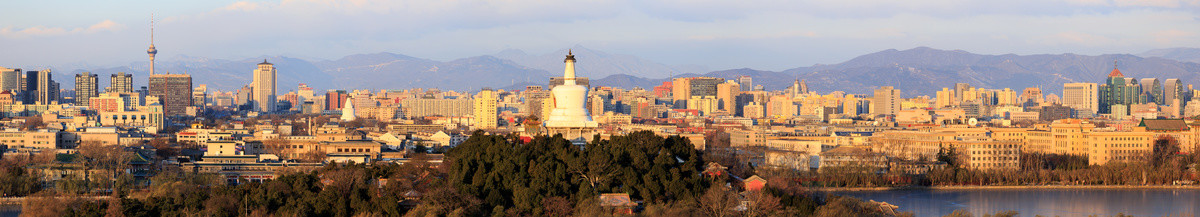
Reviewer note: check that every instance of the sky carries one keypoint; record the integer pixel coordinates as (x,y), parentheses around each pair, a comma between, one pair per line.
(717,34)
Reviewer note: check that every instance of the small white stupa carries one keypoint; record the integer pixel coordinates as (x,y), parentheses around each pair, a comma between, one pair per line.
(348,112)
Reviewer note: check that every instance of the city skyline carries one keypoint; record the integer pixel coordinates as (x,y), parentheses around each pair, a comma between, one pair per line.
(761,35)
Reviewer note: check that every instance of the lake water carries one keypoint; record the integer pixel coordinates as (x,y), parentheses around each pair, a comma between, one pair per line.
(1046,202)
(10,211)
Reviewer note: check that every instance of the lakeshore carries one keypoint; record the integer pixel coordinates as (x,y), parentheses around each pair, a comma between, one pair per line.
(999,187)
(1060,200)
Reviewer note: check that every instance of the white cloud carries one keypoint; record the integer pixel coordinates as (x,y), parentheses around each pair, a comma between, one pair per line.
(41,31)
(241,6)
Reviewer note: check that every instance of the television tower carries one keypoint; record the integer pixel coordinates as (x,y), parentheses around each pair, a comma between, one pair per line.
(152,51)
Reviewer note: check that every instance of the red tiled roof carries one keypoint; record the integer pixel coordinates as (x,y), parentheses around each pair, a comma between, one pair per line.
(1116,73)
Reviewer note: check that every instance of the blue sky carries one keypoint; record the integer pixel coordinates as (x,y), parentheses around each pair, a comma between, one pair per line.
(719,34)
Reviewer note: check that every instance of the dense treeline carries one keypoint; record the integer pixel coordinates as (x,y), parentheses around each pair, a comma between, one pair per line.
(505,174)
(487,175)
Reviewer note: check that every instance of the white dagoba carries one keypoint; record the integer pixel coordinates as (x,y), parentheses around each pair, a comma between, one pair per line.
(569,116)
(348,112)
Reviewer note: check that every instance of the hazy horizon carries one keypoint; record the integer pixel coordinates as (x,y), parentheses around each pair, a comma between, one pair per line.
(766,35)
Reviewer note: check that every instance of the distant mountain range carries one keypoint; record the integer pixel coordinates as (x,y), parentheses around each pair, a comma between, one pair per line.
(917,71)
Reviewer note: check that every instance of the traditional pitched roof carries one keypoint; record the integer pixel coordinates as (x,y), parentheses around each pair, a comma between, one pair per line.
(1164,124)
(616,199)
(1115,73)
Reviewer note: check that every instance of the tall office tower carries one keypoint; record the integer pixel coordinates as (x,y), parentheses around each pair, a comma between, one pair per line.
(1174,89)
(681,90)
(120,83)
(86,87)
(945,98)
(174,91)
(886,101)
(727,96)
(803,86)
(29,87)
(485,109)
(334,99)
(10,79)
(705,86)
(746,83)
(243,96)
(794,90)
(959,89)
(304,93)
(535,100)
(264,87)
(1032,94)
(47,89)
(200,96)
(1117,90)
(1083,97)
(1152,91)
(152,51)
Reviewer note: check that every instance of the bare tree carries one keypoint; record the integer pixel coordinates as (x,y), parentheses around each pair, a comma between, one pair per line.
(279,147)
(718,201)
(111,158)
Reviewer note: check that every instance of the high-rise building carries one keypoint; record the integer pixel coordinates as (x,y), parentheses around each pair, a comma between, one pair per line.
(1174,89)
(264,87)
(200,96)
(803,86)
(886,101)
(304,93)
(1152,91)
(1083,97)
(10,79)
(86,87)
(681,89)
(120,83)
(418,107)
(959,92)
(243,96)
(745,82)
(335,99)
(485,109)
(1032,95)
(727,96)
(705,87)
(40,87)
(174,91)
(1117,90)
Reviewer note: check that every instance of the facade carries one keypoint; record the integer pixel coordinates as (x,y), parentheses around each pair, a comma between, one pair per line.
(992,154)
(40,88)
(120,83)
(1070,136)
(1083,97)
(1119,146)
(85,88)
(485,109)
(886,101)
(747,138)
(10,79)
(174,91)
(1117,90)
(416,108)
(264,87)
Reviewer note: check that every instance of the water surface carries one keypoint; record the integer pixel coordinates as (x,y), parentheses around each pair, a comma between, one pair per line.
(1046,202)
